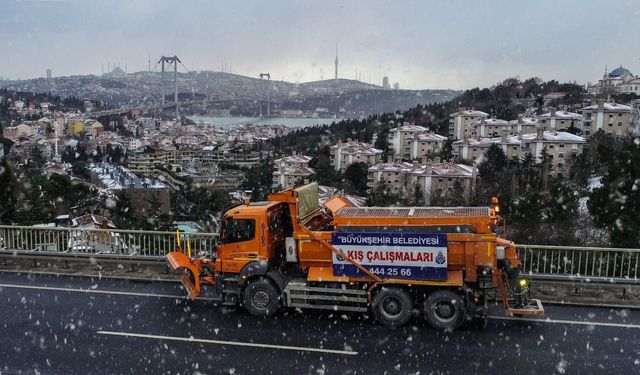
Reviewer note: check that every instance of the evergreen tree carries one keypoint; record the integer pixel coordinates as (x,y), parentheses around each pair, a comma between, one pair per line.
(355,177)
(35,164)
(616,205)
(8,193)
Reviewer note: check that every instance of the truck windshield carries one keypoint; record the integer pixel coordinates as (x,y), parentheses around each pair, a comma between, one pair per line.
(238,230)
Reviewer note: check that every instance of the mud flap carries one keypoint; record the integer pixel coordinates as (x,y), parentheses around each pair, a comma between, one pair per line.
(189,274)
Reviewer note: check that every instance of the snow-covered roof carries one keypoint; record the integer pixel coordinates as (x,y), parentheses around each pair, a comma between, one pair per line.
(562,115)
(406,127)
(469,113)
(118,178)
(299,170)
(357,148)
(493,121)
(608,106)
(433,137)
(554,136)
(297,159)
(432,169)
(548,136)
(524,121)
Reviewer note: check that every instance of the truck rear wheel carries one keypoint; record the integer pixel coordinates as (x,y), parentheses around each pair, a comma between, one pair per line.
(392,307)
(445,310)
(261,297)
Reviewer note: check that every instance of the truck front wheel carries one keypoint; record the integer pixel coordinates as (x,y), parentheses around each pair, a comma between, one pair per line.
(261,297)
(392,307)
(445,310)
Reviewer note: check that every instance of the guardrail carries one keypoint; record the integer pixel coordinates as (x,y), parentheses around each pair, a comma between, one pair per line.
(594,264)
(559,263)
(103,241)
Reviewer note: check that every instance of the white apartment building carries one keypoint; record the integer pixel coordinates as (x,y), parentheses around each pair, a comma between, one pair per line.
(559,120)
(461,122)
(414,142)
(490,127)
(345,154)
(523,125)
(562,148)
(436,180)
(612,118)
(289,170)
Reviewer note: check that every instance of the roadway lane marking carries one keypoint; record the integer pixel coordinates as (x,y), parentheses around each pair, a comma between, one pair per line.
(96,291)
(230,343)
(573,322)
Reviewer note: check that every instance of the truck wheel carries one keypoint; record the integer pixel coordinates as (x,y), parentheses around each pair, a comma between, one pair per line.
(261,297)
(445,310)
(392,307)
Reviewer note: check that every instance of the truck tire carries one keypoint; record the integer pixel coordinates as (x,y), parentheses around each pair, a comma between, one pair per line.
(445,310)
(392,307)
(261,297)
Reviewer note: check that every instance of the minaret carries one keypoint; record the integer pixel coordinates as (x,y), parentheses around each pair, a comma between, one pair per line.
(336,61)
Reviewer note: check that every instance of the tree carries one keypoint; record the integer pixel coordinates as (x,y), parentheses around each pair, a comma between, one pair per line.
(381,196)
(616,204)
(8,193)
(418,196)
(258,179)
(494,173)
(123,213)
(355,177)
(35,164)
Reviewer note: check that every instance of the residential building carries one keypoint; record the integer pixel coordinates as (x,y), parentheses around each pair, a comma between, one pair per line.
(522,125)
(290,170)
(561,147)
(490,127)
(559,120)
(461,122)
(439,182)
(146,194)
(411,141)
(474,149)
(345,154)
(612,118)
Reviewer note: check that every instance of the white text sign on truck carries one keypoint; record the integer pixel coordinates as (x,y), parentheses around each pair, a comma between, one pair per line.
(392,255)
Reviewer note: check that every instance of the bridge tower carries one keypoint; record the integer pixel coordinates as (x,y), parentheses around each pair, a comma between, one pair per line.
(268,77)
(171,61)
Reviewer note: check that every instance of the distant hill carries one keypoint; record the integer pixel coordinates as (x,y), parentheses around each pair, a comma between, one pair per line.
(241,92)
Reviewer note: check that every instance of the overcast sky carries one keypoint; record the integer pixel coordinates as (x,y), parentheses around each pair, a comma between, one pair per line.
(420,44)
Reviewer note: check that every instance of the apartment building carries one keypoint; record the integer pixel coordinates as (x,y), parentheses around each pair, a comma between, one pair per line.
(559,120)
(562,148)
(345,154)
(461,122)
(141,191)
(523,125)
(414,142)
(473,149)
(204,156)
(490,127)
(290,170)
(438,181)
(612,118)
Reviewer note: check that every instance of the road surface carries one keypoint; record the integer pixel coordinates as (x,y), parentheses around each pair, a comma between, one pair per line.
(72,325)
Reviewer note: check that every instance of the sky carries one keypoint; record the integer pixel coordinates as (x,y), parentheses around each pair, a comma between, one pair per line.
(419,44)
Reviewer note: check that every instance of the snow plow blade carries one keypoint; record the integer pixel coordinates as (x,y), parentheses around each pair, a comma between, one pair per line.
(189,274)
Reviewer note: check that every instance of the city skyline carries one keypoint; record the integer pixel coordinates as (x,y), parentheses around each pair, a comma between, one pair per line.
(421,45)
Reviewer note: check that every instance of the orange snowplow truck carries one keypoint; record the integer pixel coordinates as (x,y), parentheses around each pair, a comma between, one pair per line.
(291,252)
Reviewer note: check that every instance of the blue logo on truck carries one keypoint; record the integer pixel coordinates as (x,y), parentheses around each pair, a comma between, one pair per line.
(417,256)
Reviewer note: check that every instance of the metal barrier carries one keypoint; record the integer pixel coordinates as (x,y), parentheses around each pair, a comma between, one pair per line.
(613,265)
(561,263)
(103,241)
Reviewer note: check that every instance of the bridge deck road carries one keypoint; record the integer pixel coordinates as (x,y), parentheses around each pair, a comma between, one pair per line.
(74,325)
